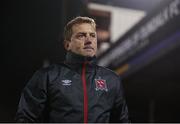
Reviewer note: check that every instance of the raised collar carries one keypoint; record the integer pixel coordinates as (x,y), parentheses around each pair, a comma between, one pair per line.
(73,58)
(75,61)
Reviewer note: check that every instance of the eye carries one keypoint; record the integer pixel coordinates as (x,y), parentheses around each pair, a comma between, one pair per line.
(93,35)
(80,36)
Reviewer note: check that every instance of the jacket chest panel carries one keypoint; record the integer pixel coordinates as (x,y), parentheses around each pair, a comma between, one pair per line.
(67,91)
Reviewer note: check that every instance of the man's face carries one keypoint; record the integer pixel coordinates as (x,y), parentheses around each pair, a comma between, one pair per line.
(83,40)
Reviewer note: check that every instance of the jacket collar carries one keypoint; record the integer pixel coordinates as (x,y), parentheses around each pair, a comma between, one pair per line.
(75,62)
(79,59)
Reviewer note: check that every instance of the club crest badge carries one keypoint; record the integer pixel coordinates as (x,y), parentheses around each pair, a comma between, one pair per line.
(101,84)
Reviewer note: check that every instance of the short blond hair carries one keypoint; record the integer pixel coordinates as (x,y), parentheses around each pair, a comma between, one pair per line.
(78,20)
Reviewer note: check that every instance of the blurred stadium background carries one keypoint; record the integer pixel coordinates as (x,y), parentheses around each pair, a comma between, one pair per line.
(139,39)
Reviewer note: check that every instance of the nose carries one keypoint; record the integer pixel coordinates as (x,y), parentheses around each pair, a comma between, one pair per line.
(88,40)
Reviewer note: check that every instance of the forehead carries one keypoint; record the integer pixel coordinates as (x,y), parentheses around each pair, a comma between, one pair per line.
(84,27)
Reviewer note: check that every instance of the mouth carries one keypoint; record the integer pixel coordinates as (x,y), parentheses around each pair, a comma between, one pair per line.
(88,48)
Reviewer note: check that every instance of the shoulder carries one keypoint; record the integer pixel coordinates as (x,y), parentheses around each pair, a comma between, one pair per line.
(53,68)
(113,80)
(51,72)
(107,71)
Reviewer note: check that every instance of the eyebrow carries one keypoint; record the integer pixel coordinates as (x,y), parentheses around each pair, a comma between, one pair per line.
(86,32)
(81,33)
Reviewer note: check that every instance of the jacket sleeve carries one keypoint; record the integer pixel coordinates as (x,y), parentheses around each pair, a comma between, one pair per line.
(33,99)
(120,110)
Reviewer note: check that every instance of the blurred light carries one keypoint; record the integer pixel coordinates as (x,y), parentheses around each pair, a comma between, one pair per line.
(121,70)
(122,19)
(139,39)
(103,47)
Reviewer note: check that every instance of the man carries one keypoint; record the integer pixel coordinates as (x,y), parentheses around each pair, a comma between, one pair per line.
(77,90)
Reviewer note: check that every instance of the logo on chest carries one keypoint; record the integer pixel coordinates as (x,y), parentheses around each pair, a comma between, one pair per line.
(101,84)
(66,82)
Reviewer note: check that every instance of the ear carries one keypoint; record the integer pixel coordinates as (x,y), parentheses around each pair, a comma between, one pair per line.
(67,45)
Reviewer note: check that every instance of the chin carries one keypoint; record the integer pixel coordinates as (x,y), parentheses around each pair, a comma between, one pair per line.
(90,55)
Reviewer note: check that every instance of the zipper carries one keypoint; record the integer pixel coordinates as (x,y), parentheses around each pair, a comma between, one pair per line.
(83,76)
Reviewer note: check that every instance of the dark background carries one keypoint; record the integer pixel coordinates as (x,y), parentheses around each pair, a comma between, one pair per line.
(32,33)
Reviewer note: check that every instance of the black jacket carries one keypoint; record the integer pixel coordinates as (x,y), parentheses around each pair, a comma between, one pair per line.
(76,91)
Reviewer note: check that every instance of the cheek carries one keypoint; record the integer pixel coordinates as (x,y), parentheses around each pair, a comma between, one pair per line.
(77,46)
(95,44)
